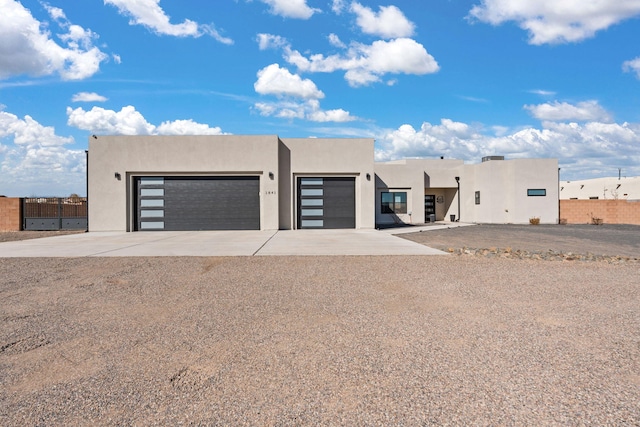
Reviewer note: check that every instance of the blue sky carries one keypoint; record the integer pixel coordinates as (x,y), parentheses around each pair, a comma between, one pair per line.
(459,79)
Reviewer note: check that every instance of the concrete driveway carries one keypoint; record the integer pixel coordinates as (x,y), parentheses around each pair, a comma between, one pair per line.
(218,243)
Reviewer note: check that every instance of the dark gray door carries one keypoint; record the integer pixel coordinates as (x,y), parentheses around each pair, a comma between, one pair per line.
(326,202)
(199,203)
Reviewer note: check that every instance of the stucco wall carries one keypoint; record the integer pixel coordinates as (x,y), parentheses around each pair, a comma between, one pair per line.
(276,161)
(610,211)
(418,177)
(328,157)
(503,186)
(110,199)
(10,214)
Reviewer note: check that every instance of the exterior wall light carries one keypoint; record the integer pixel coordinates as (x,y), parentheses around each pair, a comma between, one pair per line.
(271,175)
(118,176)
(368,177)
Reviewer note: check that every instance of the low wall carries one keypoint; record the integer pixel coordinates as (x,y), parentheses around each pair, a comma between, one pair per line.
(10,215)
(610,211)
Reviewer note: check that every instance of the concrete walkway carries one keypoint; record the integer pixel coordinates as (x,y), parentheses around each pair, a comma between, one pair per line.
(222,243)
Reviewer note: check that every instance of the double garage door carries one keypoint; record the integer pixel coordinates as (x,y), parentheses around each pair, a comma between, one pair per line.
(176,203)
(197,203)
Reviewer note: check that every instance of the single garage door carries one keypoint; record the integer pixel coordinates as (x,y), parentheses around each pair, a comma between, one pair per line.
(328,202)
(198,203)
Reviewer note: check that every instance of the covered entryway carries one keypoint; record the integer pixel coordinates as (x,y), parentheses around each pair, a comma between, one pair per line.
(326,202)
(181,203)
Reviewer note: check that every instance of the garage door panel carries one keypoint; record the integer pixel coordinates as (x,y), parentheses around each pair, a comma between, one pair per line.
(326,202)
(211,203)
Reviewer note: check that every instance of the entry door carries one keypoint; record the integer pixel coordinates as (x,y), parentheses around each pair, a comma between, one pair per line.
(326,202)
(429,207)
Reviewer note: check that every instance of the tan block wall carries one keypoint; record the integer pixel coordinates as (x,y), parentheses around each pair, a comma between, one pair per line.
(610,211)
(10,218)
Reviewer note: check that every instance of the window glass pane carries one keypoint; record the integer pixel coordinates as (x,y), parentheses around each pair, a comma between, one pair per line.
(149,225)
(152,180)
(312,212)
(312,223)
(152,192)
(311,202)
(536,192)
(393,202)
(310,181)
(152,203)
(147,213)
(311,192)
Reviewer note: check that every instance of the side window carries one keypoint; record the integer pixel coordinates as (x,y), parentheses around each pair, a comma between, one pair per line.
(535,192)
(393,202)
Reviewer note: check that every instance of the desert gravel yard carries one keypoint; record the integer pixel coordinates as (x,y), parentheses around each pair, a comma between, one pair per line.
(411,340)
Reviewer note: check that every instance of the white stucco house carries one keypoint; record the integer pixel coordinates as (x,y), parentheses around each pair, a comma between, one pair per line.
(263,182)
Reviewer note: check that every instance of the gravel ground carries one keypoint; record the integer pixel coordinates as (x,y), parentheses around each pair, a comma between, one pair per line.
(608,239)
(318,341)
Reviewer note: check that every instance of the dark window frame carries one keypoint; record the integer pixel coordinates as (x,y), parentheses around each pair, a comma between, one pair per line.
(391,206)
(536,192)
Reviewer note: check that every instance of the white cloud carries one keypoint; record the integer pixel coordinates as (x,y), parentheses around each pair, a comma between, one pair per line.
(304,110)
(335,41)
(88,97)
(27,48)
(554,21)
(148,13)
(389,23)
(270,41)
(563,111)
(129,121)
(273,80)
(338,115)
(474,99)
(297,9)
(187,127)
(590,149)
(298,98)
(366,64)
(35,161)
(337,6)
(542,92)
(632,66)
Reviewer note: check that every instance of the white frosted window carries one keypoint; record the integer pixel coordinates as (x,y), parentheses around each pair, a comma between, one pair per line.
(148,213)
(311,202)
(311,192)
(152,180)
(152,192)
(151,203)
(312,212)
(312,223)
(152,225)
(311,181)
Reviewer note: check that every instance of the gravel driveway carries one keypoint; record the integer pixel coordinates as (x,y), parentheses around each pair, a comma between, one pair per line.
(607,239)
(318,341)
(328,340)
